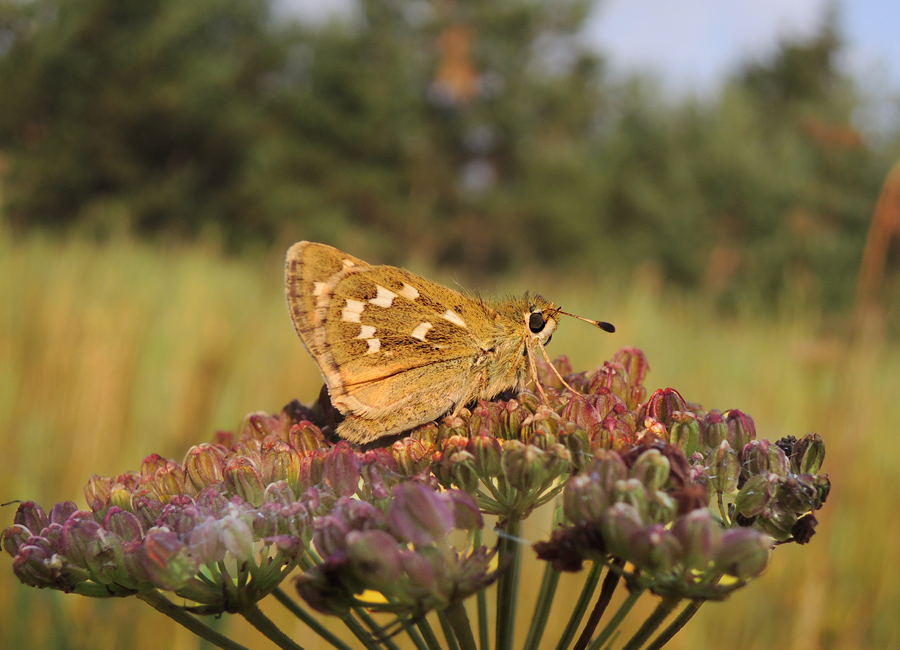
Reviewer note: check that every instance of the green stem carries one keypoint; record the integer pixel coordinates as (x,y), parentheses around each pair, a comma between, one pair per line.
(481,601)
(310,620)
(163,605)
(428,634)
(610,582)
(375,629)
(587,591)
(675,626)
(542,608)
(721,503)
(359,631)
(510,559)
(447,629)
(616,620)
(458,619)
(253,614)
(653,621)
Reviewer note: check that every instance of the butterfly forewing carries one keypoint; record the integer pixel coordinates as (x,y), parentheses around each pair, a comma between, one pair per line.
(383,321)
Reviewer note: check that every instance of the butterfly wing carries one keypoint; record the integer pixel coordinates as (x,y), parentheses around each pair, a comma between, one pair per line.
(395,349)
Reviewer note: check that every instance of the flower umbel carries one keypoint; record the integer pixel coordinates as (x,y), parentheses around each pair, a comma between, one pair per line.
(671,499)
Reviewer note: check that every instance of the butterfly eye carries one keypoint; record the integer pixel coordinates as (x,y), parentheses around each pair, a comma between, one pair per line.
(536,322)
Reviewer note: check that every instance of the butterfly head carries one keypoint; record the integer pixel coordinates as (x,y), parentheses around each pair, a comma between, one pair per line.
(541,319)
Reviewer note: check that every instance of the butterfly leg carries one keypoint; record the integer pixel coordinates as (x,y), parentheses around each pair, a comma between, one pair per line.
(534,375)
(553,368)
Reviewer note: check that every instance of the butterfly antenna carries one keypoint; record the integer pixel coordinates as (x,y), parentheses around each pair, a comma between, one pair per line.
(606,327)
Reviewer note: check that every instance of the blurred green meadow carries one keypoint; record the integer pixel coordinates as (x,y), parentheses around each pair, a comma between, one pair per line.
(112,351)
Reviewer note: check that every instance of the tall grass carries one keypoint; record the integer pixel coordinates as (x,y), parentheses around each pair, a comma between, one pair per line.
(111,352)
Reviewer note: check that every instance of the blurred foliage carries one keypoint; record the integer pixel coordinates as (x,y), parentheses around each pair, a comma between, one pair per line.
(481,136)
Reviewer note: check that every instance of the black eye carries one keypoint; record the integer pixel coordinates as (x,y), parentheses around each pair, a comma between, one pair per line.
(536,322)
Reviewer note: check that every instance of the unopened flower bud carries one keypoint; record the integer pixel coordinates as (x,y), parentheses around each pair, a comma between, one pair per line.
(652,469)
(654,550)
(663,403)
(124,524)
(584,499)
(169,480)
(453,426)
(342,469)
(741,429)
(418,514)
(306,437)
(744,553)
(778,521)
(167,560)
(236,535)
(809,454)
(31,516)
(714,430)
(466,515)
(375,554)
(14,538)
(243,478)
(684,432)
(755,495)
(279,462)
(761,457)
(619,523)
(724,469)
(458,467)
(523,466)
(634,362)
(486,453)
(412,455)
(700,537)
(633,492)
(203,465)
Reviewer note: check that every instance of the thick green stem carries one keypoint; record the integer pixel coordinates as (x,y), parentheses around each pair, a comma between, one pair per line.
(374,629)
(675,626)
(590,584)
(615,621)
(653,621)
(610,582)
(510,559)
(309,619)
(253,614)
(542,608)
(162,604)
(458,619)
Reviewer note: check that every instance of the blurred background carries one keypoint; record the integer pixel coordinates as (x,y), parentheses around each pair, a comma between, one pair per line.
(720,180)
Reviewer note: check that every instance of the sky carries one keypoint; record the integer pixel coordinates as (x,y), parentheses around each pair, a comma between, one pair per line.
(690,45)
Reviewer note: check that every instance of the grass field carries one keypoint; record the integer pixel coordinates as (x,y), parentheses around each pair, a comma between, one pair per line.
(112,352)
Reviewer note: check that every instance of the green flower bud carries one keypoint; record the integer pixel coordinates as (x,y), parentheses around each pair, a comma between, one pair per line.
(663,404)
(486,453)
(700,537)
(714,430)
(654,550)
(633,492)
(243,478)
(761,457)
(755,496)
(724,469)
(619,524)
(809,454)
(584,499)
(652,469)
(684,432)
(744,553)
(342,469)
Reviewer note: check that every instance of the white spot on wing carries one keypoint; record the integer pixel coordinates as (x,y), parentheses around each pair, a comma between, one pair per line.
(409,292)
(366,332)
(352,311)
(318,288)
(374,346)
(385,297)
(349,263)
(421,330)
(454,318)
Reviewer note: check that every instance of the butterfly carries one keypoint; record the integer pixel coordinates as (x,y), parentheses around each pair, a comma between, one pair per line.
(397,350)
